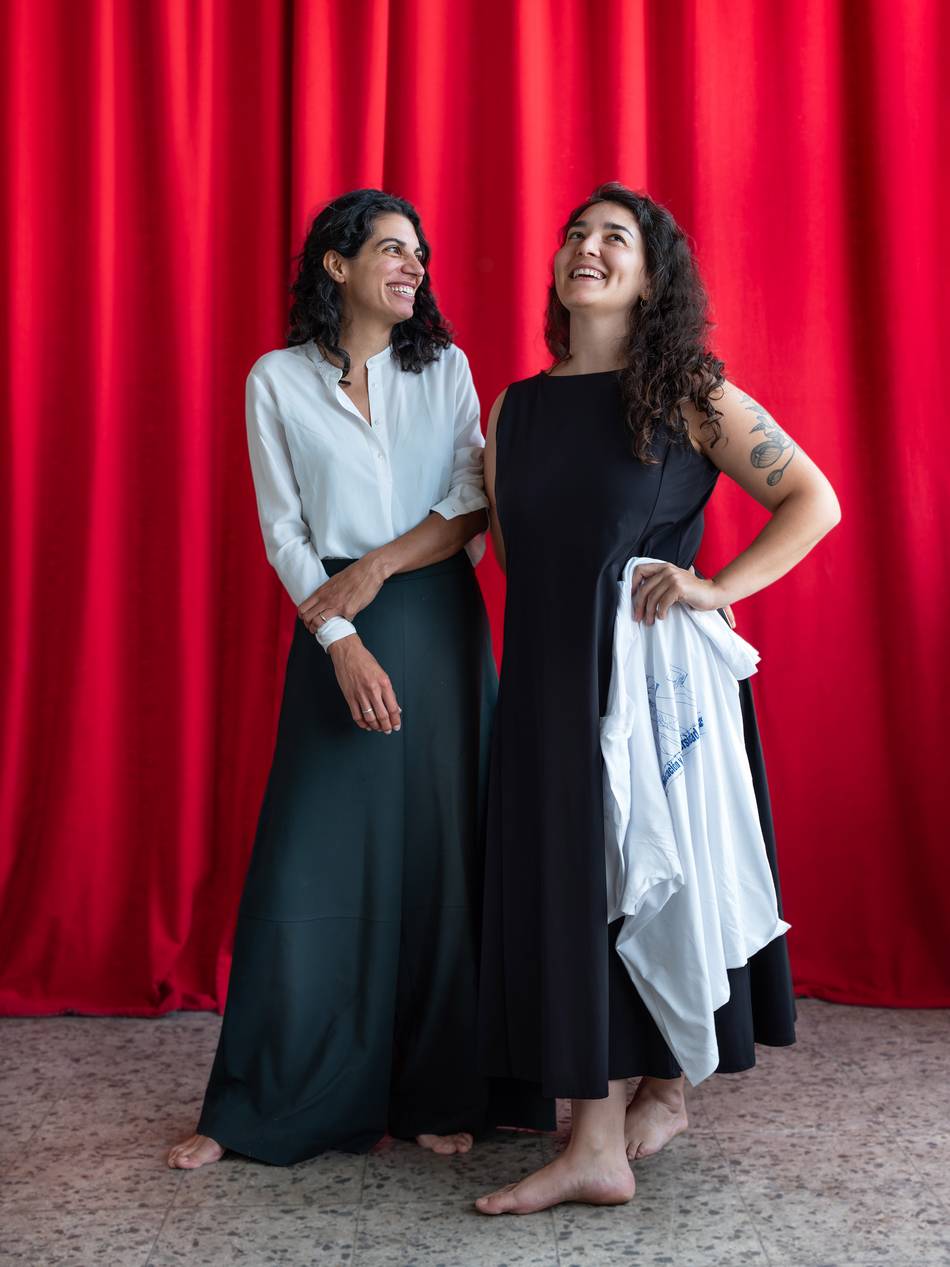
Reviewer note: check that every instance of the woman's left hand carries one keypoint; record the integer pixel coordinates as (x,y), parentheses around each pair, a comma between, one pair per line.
(344,594)
(657,586)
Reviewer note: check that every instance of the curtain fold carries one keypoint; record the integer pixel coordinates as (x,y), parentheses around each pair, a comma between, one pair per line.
(160,163)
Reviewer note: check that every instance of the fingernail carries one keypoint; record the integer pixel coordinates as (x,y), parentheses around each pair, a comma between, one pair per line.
(397,727)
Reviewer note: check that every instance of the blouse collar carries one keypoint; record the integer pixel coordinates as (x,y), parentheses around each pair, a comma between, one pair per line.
(330,373)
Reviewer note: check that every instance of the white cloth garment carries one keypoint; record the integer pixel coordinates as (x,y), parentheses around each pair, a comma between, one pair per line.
(330,485)
(685,858)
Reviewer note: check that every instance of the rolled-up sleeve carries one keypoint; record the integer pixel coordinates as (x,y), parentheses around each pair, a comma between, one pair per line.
(466,490)
(286,534)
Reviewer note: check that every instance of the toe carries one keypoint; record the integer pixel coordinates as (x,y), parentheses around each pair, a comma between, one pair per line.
(498,1202)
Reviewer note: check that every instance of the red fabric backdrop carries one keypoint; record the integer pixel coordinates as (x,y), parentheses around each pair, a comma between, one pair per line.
(158,167)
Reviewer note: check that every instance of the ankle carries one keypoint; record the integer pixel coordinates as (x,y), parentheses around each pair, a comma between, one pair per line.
(671,1092)
(600,1149)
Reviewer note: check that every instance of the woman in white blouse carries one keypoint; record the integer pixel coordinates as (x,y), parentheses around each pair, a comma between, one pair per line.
(351,1006)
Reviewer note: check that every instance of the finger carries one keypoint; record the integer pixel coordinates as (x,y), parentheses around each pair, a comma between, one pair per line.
(641,572)
(391,705)
(382,712)
(662,597)
(316,600)
(319,618)
(645,595)
(669,599)
(366,712)
(356,711)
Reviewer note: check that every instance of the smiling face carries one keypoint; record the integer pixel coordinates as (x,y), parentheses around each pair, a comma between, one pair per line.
(379,283)
(602,265)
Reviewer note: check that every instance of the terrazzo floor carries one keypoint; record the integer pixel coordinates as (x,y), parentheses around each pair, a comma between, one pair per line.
(835,1151)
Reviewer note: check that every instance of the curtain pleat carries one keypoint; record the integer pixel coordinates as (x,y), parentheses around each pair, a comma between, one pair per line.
(159,166)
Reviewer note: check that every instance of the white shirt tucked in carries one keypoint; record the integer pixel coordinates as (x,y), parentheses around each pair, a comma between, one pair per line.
(330,485)
(686,862)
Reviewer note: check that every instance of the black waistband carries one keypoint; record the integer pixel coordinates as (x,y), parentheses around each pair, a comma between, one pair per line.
(457,563)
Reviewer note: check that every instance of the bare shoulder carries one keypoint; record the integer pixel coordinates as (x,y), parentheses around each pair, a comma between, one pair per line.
(751,447)
(742,424)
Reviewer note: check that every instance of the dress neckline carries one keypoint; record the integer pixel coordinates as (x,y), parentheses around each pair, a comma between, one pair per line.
(592,374)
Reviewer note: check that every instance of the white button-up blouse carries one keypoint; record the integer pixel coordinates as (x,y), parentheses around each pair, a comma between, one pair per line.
(330,485)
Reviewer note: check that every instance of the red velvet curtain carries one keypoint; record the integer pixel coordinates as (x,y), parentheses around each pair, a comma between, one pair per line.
(159,164)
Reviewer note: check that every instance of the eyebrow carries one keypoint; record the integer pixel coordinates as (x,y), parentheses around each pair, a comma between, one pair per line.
(609,225)
(398,241)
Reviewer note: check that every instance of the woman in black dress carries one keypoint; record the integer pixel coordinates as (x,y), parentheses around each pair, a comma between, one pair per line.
(612,453)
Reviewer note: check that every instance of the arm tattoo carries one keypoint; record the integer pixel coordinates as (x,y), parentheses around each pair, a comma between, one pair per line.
(773,444)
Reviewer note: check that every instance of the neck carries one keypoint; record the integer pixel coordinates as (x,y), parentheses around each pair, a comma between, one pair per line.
(362,340)
(597,342)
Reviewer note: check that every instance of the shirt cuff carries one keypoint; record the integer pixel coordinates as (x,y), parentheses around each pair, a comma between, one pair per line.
(461,501)
(333,630)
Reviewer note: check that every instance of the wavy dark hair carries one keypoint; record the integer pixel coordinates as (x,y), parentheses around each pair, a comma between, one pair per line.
(667,362)
(344,225)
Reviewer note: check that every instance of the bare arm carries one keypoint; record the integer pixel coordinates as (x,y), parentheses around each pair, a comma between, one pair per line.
(490,457)
(356,586)
(763,460)
(767,463)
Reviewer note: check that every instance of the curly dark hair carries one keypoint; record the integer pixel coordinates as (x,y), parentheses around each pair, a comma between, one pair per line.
(344,225)
(667,360)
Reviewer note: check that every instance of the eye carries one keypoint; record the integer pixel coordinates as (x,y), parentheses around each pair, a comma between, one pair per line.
(393,247)
(617,237)
(574,233)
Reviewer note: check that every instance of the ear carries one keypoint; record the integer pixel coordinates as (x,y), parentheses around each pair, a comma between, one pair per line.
(333,264)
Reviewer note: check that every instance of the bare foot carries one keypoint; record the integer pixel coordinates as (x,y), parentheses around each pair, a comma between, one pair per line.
(596,1179)
(197,1150)
(656,1113)
(460,1142)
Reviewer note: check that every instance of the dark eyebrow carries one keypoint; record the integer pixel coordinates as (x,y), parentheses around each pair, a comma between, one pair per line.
(398,241)
(582,224)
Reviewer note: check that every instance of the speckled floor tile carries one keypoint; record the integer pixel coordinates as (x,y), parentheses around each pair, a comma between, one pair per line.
(52,1176)
(910,1100)
(834,1152)
(712,1226)
(795,1095)
(452,1235)
(402,1172)
(843,1198)
(332,1179)
(640,1232)
(21,1116)
(147,1126)
(690,1162)
(891,1044)
(67,1238)
(929,1154)
(289,1235)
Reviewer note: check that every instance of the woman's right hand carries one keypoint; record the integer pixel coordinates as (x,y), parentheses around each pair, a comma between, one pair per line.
(366,688)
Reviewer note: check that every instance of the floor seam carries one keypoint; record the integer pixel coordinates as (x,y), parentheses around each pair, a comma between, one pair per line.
(161,1226)
(753,1222)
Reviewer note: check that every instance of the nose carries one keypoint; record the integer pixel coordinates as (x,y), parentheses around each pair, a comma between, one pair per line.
(587,246)
(415,267)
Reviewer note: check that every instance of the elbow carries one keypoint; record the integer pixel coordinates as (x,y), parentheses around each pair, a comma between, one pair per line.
(831,511)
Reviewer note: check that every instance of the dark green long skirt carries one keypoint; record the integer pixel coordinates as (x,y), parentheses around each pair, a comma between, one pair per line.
(351,1007)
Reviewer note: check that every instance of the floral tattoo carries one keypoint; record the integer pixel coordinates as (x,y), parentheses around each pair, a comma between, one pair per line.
(774,442)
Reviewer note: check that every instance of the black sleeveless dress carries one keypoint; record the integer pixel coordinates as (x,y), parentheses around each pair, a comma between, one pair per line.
(557,1007)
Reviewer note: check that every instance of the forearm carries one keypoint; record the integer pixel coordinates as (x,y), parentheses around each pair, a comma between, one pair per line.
(795,528)
(429,542)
